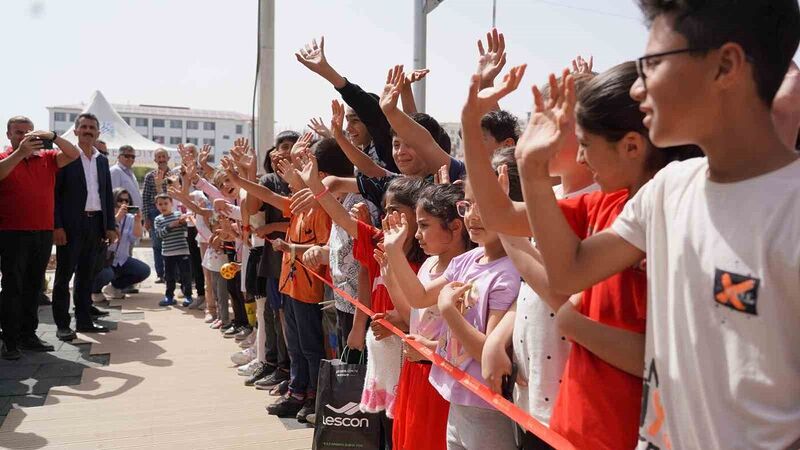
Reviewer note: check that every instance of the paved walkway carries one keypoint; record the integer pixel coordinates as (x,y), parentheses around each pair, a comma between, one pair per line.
(161,380)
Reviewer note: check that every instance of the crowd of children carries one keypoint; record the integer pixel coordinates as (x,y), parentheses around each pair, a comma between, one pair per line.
(633,303)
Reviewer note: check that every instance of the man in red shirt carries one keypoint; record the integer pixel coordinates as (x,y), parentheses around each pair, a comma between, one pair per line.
(27,180)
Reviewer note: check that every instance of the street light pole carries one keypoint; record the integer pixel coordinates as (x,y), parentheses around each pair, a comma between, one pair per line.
(266,80)
(421,10)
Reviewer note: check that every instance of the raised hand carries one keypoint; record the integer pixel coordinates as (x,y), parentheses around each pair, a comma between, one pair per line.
(394,85)
(309,171)
(205,153)
(416,75)
(395,232)
(288,172)
(29,144)
(319,127)
(302,201)
(313,55)
(550,121)
(302,144)
(360,212)
(580,65)
(337,119)
(442,176)
(491,60)
(481,101)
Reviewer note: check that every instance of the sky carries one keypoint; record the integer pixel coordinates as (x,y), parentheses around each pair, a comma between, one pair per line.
(202,53)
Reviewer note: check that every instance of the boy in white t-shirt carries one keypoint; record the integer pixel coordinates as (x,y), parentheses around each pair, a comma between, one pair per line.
(722,361)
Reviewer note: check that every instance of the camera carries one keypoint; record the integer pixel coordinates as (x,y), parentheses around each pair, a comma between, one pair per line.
(133,209)
(47,144)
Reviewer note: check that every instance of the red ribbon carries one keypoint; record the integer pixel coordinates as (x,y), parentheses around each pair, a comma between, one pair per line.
(511,410)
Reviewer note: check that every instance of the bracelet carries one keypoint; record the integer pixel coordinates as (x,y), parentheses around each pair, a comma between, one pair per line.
(321,193)
(55,136)
(246,228)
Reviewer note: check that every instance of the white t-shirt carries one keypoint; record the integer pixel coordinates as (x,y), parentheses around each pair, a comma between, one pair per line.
(540,351)
(722,359)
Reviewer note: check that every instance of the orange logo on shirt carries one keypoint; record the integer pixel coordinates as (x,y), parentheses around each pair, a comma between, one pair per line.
(738,292)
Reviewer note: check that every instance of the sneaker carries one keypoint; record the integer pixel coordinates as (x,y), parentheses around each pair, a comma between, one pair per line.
(199,302)
(248,341)
(312,418)
(231,332)
(160,280)
(226,327)
(98,298)
(112,293)
(287,406)
(263,371)
(10,352)
(249,369)
(309,407)
(277,377)
(167,302)
(243,333)
(210,318)
(216,325)
(130,290)
(280,390)
(187,301)
(243,357)
(180,294)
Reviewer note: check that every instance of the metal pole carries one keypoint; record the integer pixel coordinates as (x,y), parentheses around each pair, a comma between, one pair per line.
(494,12)
(420,39)
(266,81)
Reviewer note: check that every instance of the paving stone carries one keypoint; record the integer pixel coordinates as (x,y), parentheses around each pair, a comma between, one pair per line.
(13,387)
(59,369)
(18,372)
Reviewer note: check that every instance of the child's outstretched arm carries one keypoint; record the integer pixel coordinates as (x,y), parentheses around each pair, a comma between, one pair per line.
(572,265)
(361,160)
(338,214)
(264,193)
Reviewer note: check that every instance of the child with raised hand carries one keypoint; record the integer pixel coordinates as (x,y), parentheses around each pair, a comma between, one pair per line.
(607,322)
(472,295)
(419,409)
(385,355)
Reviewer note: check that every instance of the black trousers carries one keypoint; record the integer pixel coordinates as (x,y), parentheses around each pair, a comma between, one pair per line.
(178,268)
(77,258)
(23,263)
(197,262)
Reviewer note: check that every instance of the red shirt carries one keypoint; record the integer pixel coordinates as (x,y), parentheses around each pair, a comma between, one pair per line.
(27,193)
(363,251)
(598,405)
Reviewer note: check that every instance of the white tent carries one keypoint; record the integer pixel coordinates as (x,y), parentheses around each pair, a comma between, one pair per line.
(116,133)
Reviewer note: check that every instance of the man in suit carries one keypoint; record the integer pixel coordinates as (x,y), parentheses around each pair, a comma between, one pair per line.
(84,218)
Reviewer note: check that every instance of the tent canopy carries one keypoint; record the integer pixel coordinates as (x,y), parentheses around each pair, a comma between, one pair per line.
(116,133)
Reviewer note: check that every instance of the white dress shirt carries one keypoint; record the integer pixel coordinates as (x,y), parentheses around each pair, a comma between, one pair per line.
(92,183)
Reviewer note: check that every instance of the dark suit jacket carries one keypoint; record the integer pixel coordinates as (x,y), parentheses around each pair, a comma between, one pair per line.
(70,195)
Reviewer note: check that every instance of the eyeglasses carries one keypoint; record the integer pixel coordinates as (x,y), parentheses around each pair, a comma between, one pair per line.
(128,156)
(124,200)
(645,66)
(463,207)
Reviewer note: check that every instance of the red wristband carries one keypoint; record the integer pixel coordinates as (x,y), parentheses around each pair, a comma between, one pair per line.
(321,193)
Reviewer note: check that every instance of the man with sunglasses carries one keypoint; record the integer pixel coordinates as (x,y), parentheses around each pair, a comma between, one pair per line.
(122,174)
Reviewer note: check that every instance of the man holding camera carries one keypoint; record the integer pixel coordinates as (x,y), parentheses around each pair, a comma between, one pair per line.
(84,219)
(27,180)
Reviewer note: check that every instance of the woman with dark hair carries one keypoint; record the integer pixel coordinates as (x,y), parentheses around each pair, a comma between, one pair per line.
(124,270)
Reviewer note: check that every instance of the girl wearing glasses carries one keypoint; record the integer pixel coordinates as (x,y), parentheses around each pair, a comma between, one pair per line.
(472,295)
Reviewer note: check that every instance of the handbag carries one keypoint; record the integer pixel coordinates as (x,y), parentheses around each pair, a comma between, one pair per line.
(340,424)
(111,254)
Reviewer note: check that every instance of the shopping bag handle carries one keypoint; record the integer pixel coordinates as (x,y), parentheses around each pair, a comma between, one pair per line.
(346,355)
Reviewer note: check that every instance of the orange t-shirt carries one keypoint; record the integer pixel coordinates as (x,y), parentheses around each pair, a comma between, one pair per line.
(598,405)
(296,281)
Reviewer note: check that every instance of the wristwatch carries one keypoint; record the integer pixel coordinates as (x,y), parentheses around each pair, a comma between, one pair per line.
(55,135)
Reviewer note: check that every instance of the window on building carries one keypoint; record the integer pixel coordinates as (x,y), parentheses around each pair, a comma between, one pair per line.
(208,141)
(192,125)
(72,117)
(176,124)
(142,122)
(159,139)
(209,126)
(226,137)
(60,117)
(191,141)
(239,129)
(211,158)
(158,123)
(174,140)
(127,120)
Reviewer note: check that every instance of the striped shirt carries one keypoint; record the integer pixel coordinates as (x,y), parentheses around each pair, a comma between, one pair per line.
(173,240)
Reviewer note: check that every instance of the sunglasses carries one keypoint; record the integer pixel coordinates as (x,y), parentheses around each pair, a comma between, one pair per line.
(128,156)
(124,200)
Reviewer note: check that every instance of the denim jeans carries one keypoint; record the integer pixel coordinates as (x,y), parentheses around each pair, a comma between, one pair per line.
(305,343)
(132,271)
